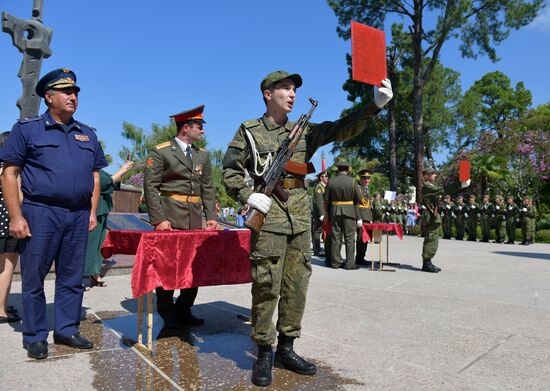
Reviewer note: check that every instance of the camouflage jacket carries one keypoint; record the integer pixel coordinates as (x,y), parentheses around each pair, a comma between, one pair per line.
(431,195)
(292,216)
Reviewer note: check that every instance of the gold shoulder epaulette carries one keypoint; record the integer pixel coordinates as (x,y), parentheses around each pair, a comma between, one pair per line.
(162,145)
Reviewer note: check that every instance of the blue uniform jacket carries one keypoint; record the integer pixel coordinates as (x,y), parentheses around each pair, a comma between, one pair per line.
(56,167)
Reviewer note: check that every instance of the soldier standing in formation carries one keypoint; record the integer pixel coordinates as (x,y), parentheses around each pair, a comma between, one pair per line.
(318,213)
(500,219)
(528,214)
(472,214)
(486,213)
(512,212)
(459,211)
(343,198)
(446,216)
(431,194)
(377,212)
(177,184)
(281,251)
(365,212)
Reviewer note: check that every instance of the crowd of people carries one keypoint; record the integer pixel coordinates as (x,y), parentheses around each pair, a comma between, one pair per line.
(347,202)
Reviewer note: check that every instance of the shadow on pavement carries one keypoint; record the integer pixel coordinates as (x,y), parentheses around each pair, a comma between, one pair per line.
(542,256)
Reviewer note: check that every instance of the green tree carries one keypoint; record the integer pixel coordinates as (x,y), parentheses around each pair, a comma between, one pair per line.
(480,25)
(489,104)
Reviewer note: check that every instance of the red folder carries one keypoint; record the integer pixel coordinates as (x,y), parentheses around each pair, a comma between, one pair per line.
(463,170)
(368,54)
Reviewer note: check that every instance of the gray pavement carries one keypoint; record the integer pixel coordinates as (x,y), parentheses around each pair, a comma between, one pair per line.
(481,324)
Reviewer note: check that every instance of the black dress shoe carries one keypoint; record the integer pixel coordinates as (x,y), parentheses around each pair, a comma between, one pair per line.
(74,341)
(362,262)
(192,320)
(37,350)
(12,317)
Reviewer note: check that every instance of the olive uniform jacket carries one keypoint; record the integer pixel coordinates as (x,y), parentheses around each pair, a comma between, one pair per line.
(169,176)
(292,216)
(365,206)
(343,197)
(318,209)
(431,195)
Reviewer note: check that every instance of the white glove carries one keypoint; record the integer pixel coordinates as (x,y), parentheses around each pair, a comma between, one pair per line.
(473,206)
(510,208)
(524,209)
(465,184)
(359,223)
(448,206)
(497,207)
(460,208)
(322,218)
(382,95)
(465,214)
(259,201)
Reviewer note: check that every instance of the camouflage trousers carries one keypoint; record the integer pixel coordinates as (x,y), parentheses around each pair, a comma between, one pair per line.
(485,223)
(431,241)
(500,231)
(281,267)
(511,229)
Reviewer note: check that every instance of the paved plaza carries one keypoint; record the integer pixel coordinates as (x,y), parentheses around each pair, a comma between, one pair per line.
(483,323)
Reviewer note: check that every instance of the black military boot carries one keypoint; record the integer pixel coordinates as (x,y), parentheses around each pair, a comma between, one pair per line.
(428,266)
(286,358)
(261,372)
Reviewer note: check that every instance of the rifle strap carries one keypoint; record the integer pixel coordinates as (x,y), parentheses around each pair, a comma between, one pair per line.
(256,158)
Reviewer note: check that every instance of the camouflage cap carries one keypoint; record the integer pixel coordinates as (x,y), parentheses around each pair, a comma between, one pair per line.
(429,167)
(276,76)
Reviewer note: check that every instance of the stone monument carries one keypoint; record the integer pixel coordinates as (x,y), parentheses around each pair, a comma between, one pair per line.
(32,39)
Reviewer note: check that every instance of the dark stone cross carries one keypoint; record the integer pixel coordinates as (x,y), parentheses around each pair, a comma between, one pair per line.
(33,40)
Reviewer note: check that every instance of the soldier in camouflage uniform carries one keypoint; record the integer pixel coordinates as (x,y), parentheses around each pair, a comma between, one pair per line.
(365,212)
(177,184)
(318,213)
(472,214)
(512,212)
(458,211)
(528,215)
(500,219)
(377,209)
(446,211)
(280,257)
(486,210)
(431,194)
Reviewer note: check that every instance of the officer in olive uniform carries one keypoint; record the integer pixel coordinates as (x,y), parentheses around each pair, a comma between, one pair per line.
(177,184)
(459,211)
(318,213)
(528,215)
(280,252)
(446,211)
(365,213)
(431,194)
(486,210)
(58,160)
(512,212)
(472,214)
(343,198)
(500,219)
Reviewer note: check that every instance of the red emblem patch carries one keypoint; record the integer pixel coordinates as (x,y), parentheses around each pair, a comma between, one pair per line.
(150,162)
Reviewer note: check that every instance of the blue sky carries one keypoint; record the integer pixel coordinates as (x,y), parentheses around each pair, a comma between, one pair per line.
(141,61)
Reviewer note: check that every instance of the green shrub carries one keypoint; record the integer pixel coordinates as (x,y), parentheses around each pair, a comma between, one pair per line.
(542,236)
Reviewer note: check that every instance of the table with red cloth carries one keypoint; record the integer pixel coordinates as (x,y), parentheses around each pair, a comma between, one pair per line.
(367,236)
(180,259)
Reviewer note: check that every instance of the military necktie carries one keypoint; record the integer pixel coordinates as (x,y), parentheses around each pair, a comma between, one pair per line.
(188,155)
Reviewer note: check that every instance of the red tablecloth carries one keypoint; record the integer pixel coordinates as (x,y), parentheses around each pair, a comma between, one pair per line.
(369,227)
(183,259)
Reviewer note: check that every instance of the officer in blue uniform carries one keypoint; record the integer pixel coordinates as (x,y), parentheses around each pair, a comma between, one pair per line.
(58,159)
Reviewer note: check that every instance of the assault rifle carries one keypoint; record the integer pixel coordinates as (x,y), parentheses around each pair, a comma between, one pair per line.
(271,181)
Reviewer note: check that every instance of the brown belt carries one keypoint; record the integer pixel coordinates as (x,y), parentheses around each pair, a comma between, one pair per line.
(342,202)
(190,199)
(293,183)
